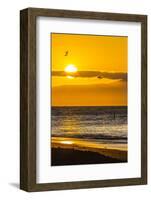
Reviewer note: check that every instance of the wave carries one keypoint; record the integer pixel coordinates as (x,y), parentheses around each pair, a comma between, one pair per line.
(92,136)
(92,123)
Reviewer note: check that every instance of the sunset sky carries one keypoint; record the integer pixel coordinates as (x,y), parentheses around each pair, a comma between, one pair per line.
(89,70)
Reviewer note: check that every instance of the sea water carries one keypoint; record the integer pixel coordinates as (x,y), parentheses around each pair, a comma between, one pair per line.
(101,124)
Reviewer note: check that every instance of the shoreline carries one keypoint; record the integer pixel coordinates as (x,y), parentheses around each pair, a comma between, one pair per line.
(68,151)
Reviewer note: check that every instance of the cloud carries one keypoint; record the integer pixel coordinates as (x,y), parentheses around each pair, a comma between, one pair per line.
(119,75)
(92,74)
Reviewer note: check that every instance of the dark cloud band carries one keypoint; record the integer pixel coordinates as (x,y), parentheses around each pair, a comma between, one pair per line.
(91,74)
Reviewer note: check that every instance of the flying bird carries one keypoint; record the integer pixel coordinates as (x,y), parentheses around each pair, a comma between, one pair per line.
(66,53)
(100,76)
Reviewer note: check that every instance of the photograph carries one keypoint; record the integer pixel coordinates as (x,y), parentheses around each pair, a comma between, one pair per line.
(88,99)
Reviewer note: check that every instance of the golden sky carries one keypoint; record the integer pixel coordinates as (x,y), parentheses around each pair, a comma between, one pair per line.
(100,64)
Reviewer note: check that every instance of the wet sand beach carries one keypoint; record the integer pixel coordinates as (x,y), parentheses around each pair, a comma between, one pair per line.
(72,151)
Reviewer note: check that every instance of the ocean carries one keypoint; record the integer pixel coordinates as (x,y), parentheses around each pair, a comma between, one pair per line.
(100,124)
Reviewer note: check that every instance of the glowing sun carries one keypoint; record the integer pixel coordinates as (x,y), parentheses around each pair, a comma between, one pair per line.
(71,69)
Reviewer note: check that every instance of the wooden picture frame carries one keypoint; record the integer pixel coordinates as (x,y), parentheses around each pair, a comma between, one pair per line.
(28,98)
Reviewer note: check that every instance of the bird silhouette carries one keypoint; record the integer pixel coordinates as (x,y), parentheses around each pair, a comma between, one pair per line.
(66,53)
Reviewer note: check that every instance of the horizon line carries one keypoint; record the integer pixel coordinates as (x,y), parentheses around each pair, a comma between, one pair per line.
(92,106)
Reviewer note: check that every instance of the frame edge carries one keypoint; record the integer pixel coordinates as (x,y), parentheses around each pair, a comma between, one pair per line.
(144,99)
(23,99)
(27,101)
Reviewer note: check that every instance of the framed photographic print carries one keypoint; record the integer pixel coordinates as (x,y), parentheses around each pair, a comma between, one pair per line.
(83,99)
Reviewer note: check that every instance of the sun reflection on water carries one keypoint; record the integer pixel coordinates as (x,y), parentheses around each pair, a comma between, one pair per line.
(66,142)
